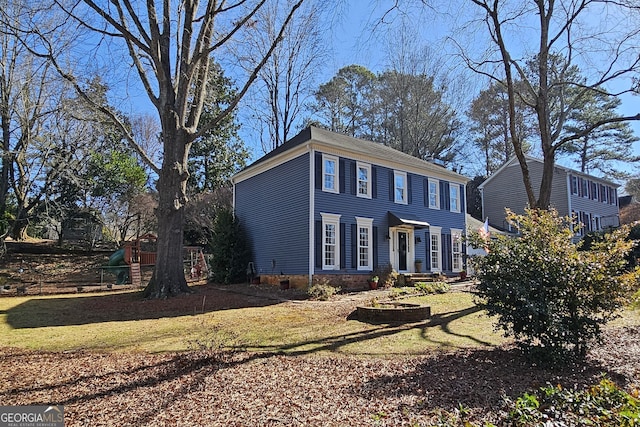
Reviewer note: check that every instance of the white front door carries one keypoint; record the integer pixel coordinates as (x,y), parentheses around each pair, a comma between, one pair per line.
(401,249)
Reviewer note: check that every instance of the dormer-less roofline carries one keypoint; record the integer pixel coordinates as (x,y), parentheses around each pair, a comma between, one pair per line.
(320,139)
(514,159)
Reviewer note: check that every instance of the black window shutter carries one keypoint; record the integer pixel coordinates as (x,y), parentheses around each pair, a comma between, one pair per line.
(353,174)
(449,253)
(409,192)
(318,171)
(447,201)
(442,197)
(425,191)
(341,174)
(318,244)
(427,258)
(464,254)
(580,187)
(375,246)
(343,252)
(461,194)
(374,182)
(391,186)
(446,252)
(354,245)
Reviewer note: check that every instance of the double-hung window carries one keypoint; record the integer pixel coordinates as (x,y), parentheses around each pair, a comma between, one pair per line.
(329,173)
(434,248)
(363,179)
(330,241)
(434,194)
(454,197)
(574,184)
(400,187)
(585,187)
(365,243)
(456,250)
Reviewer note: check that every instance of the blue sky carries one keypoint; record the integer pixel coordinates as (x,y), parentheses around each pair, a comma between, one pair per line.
(355,35)
(358,37)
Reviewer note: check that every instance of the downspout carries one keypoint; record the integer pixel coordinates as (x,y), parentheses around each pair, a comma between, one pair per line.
(312,198)
(233,195)
(482,202)
(465,230)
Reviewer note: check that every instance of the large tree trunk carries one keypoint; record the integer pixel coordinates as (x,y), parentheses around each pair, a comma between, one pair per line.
(6,161)
(546,185)
(168,276)
(20,225)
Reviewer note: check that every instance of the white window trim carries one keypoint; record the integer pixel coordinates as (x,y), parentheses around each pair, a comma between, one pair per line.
(456,233)
(435,231)
(366,166)
(405,199)
(368,224)
(331,219)
(455,187)
(437,194)
(325,158)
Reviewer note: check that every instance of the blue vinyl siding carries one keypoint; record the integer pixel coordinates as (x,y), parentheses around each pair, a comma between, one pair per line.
(349,206)
(274,209)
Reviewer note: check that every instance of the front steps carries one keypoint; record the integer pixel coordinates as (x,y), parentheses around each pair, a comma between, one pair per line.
(410,279)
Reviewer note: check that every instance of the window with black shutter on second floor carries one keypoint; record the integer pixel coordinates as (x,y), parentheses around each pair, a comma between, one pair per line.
(363,180)
(433,193)
(330,172)
(400,188)
(454,198)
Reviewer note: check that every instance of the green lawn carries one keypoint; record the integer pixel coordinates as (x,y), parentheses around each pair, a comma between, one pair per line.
(125,322)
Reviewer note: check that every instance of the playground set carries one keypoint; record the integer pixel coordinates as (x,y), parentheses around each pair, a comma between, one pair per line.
(126,263)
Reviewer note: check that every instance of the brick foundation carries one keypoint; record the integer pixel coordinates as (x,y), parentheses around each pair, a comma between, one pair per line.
(301,281)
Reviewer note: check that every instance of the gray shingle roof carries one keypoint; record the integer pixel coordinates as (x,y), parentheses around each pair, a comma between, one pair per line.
(359,147)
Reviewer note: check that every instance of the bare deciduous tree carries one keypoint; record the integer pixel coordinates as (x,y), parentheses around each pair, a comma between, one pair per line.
(277,100)
(577,31)
(171,45)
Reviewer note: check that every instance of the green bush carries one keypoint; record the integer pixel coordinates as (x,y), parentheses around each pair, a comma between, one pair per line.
(432,287)
(229,248)
(551,297)
(603,404)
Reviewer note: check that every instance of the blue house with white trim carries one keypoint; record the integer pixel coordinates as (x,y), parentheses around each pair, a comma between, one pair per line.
(327,204)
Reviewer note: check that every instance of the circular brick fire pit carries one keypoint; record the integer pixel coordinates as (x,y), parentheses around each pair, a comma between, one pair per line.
(394,312)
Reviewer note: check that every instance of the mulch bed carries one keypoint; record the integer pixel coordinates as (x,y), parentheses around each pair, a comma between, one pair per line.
(240,389)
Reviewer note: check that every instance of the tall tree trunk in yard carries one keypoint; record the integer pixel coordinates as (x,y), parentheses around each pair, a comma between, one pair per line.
(168,275)
(20,225)
(172,45)
(5,121)
(549,80)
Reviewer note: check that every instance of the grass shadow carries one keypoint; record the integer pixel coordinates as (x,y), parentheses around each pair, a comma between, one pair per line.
(443,322)
(82,310)
(335,342)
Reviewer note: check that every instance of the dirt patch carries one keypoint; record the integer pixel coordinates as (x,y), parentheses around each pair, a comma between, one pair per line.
(43,268)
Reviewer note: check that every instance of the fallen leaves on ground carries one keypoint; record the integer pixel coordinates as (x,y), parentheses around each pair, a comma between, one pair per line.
(240,389)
